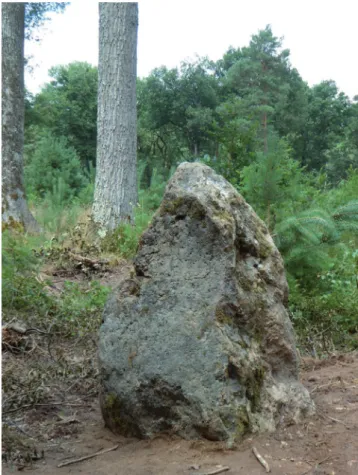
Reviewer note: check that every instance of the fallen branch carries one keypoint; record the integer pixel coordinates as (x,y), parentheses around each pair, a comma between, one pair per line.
(261,460)
(86,457)
(23,331)
(87,260)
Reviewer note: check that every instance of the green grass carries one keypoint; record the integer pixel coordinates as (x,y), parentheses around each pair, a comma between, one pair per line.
(124,240)
(25,296)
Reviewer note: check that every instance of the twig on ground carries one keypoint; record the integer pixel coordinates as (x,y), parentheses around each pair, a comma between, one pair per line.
(261,459)
(317,388)
(87,260)
(335,420)
(215,471)
(86,457)
(317,464)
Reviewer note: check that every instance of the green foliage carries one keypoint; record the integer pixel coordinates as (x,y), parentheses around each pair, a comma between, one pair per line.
(323,270)
(59,208)
(80,308)
(151,197)
(53,161)
(340,299)
(20,289)
(309,240)
(54,213)
(85,195)
(261,76)
(124,240)
(236,132)
(272,180)
(304,241)
(340,159)
(291,150)
(36,16)
(176,110)
(68,107)
(258,71)
(345,191)
(331,306)
(76,312)
(328,117)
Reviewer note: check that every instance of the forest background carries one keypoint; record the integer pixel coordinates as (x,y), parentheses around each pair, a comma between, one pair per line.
(291,150)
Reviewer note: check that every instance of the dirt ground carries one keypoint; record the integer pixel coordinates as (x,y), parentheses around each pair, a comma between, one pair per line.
(67,423)
(325,444)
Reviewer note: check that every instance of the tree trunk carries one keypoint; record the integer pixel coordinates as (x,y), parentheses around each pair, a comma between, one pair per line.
(195,149)
(15,212)
(116,174)
(265,133)
(264,122)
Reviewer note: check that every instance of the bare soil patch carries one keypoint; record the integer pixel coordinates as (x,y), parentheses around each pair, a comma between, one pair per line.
(69,425)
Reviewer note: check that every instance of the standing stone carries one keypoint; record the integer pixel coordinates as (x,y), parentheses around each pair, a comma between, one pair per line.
(198,342)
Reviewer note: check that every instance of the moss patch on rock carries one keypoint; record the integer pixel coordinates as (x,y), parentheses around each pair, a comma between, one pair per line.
(253,388)
(114,416)
(242,424)
(265,248)
(182,207)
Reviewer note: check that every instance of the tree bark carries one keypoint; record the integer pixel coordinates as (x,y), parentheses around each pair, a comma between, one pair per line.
(15,212)
(116,175)
(264,122)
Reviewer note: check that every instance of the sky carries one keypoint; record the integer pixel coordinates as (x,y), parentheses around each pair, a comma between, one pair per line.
(322,35)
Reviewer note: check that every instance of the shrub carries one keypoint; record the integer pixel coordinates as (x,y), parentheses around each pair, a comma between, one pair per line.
(20,289)
(54,213)
(124,240)
(52,160)
(150,198)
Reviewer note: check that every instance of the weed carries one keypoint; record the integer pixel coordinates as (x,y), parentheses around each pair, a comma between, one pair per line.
(80,308)
(76,311)
(124,240)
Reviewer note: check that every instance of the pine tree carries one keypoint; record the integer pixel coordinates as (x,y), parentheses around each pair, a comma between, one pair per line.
(271,180)
(305,240)
(259,75)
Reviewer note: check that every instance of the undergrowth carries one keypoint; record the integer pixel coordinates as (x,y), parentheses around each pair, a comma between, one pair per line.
(28,297)
(318,244)
(124,240)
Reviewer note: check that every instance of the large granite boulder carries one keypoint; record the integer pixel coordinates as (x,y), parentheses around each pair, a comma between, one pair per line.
(198,341)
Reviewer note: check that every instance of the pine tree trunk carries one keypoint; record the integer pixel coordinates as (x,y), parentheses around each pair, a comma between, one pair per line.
(264,122)
(265,133)
(15,212)
(268,216)
(195,149)
(116,174)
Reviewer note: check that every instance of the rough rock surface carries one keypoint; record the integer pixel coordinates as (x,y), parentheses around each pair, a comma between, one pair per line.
(198,342)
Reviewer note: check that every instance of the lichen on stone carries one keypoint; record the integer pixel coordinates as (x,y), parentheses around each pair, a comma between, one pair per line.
(206,311)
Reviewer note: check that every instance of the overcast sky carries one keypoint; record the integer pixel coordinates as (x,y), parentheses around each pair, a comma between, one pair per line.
(322,35)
